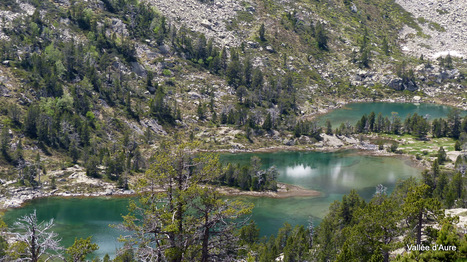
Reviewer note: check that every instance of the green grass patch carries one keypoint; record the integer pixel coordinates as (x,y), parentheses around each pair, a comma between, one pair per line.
(422,20)
(442,11)
(244,16)
(423,35)
(413,146)
(424,46)
(436,26)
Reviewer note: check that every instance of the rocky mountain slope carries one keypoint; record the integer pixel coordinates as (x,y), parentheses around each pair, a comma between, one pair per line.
(209,18)
(443,28)
(102,83)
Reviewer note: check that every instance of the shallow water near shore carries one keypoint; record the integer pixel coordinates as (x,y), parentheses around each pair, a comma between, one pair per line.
(332,173)
(354,111)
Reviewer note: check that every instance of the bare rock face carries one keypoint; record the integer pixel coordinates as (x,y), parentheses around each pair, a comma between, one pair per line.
(444,23)
(209,18)
(154,126)
(119,27)
(399,85)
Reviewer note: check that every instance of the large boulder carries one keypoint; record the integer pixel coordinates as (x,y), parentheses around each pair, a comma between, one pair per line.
(154,126)
(138,69)
(399,84)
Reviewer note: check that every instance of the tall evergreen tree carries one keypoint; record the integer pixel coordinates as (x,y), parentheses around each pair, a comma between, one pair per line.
(268,122)
(454,123)
(5,141)
(328,127)
(321,36)
(371,121)
(261,32)
(185,222)
(418,207)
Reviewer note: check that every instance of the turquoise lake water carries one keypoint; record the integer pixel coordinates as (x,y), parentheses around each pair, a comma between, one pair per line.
(334,174)
(354,111)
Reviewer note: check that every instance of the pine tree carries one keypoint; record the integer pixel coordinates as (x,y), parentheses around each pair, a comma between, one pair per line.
(418,207)
(396,125)
(241,93)
(14,113)
(379,123)
(312,29)
(258,79)
(248,73)
(328,127)
(30,121)
(448,62)
(267,125)
(364,50)
(454,123)
(321,37)
(223,60)
(261,32)
(371,121)
(73,152)
(201,111)
(201,52)
(436,128)
(5,141)
(234,73)
(385,47)
(91,166)
(80,249)
(186,220)
(148,135)
(442,156)
(18,155)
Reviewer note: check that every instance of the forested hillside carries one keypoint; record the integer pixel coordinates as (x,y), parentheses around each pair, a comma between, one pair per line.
(90,90)
(98,82)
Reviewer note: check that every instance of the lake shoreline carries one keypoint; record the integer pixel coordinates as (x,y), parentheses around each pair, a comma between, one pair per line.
(19,196)
(28,194)
(283,191)
(341,104)
(16,196)
(359,146)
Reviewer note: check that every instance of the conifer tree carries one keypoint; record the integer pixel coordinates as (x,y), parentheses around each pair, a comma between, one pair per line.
(261,32)
(321,36)
(267,125)
(418,207)
(186,221)
(328,127)
(442,156)
(5,141)
(385,46)
(80,249)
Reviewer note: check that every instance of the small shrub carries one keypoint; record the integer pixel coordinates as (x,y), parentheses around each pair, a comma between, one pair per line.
(166,72)
(393,148)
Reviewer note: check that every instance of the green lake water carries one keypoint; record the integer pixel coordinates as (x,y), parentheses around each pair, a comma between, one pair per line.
(354,111)
(334,174)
